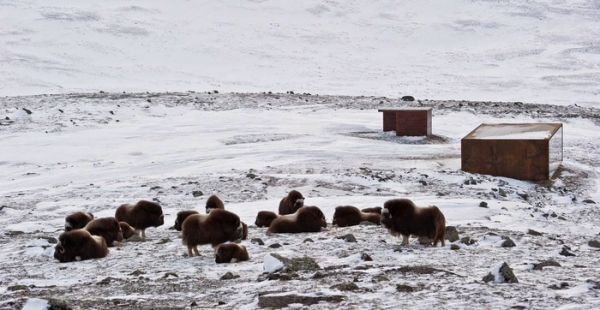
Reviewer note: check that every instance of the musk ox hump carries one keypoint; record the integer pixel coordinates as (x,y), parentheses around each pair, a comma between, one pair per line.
(78,220)
(213,203)
(265,218)
(291,203)
(107,228)
(181,216)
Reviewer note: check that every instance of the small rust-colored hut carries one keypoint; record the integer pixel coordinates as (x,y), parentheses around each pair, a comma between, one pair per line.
(527,151)
(407,121)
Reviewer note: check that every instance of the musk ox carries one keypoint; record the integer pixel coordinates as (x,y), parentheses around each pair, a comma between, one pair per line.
(306,219)
(350,216)
(291,203)
(107,228)
(219,226)
(402,217)
(181,216)
(128,231)
(230,253)
(78,245)
(214,202)
(264,218)
(141,215)
(78,220)
(372,210)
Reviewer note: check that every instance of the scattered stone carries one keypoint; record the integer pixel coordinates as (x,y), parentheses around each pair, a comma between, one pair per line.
(14,233)
(523,195)
(505,275)
(566,251)
(398,248)
(451,233)
(137,272)
(251,176)
(163,241)
(454,247)
(508,243)
(470,181)
(50,240)
(282,277)
(366,257)
(220,303)
(589,201)
(379,278)
(546,263)
(18,288)
(502,192)
(27,111)
(105,281)
(228,276)
(56,304)
(483,204)
(277,300)
(136,238)
(533,232)
(350,286)
(275,246)
(468,240)
(347,238)
(297,263)
(408,98)
(594,244)
(197,193)
(170,273)
(423,182)
(561,286)
(257,241)
(404,288)
(595,284)
(319,275)
(308,240)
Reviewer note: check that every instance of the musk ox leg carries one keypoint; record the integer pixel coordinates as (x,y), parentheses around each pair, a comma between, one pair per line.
(405,239)
(194,249)
(78,258)
(143,233)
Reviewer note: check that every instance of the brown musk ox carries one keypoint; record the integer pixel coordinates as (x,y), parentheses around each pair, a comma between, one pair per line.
(306,219)
(230,253)
(79,245)
(219,226)
(265,218)
(141,215)
(214,202)
(403,218)
(349,216)
(107,228)
(78,220)
(372,210)
(128,231)
(291,203)
(181,216)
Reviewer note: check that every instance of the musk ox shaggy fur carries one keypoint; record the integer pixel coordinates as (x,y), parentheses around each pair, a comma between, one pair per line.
(181,216)
(141,215)
(265,218)
(128,231)
(107,228)
(230,253)
(78,245)
(402,217)
(78,220)
(306,219)
(372,210)
(219,226)
(214,202)
(350,216)
(291,203)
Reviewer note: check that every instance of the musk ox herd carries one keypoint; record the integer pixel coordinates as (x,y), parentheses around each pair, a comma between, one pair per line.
(86,237)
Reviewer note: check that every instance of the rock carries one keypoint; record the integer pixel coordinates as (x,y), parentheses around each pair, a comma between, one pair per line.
(467,240)
(350,286)
(404,288)
(503,274)
(561,286)
(483,204)
(589,201)
(197,193)
(163,241)
(594,244)
(18,288)
(170,274)
(508,243)
(308,240)
(546,263)
(319,275)
(136,238)
(56,304)
(228,276)
(50,240)
(278,300)
(27,111)
(275,246)
(257,241)
(565,251)
(137,272)
(251,176)
(523,195)
(347,238)
(297,263)
(470,181)
(105,281)
(502,192)
(454,247)
(595,284)
(366,257)
(451,233)
(533,232)
(408,98)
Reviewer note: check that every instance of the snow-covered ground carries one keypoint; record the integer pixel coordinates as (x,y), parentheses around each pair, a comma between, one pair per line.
(86,124)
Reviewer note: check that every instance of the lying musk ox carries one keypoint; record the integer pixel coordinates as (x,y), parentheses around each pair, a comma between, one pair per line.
(78,245)
(372,210)
(350,216)
(230,253)
(78,220)
(264,218)
(107,228)
(219,226)
(402,217)
(214,202)
(181,216)
(141,215)
(128,231)
(291,203)
(306,219)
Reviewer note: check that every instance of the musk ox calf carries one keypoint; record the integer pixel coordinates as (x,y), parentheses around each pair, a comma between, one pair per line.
(372,210)
(350,216)
(128,231)
(141,215)
(230,253)
(107,228)
(265,218)
(78,245)
(219,226)
(78,220)
(291,203)
(306,219)
(402,217)
(181,216)
(214,202)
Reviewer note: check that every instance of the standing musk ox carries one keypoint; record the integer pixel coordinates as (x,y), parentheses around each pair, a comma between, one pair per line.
(141,215)
(219,226)
(402,217)
(350,216)
(265,218)
(78,220)
(78,245)
(128,231)
(214,202)
(306,219)
(181,216)
(107,228)
(291,203)
(372,210)
(230,253)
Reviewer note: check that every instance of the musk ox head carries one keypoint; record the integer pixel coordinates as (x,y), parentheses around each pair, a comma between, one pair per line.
(181,216)
(291,203)
(78,220)
(213,203)
(79,245)
(264,218)
(107,228)
(141,215)
(230,253)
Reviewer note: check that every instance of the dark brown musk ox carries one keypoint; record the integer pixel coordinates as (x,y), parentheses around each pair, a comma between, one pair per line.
(79,245)
(181,216)
(265,218)
(349,216)
(403,218)
(128,231)
(141,215)
(306,219)
(219,226)
(78,220)
(372,210)
(230,253)
(107,228)
(291,203)
(214,202)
